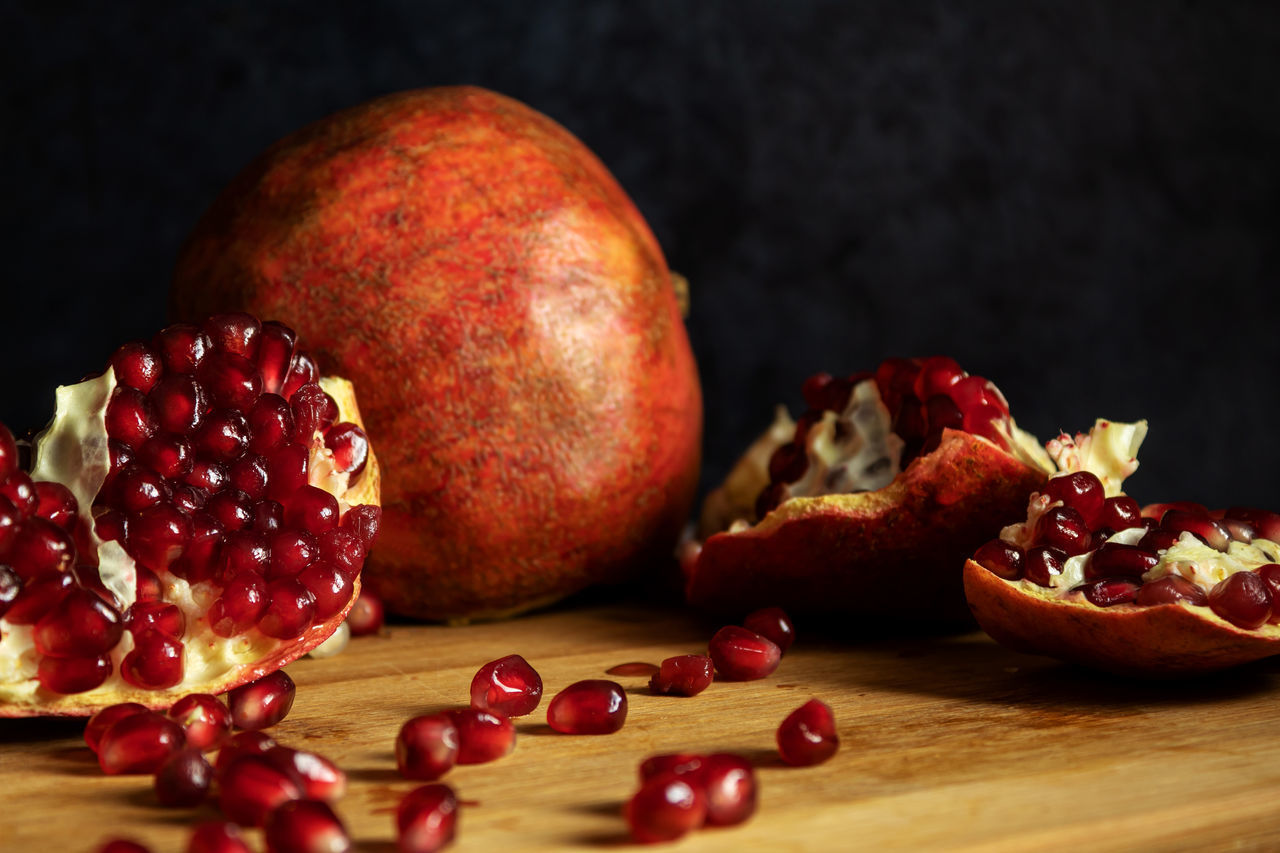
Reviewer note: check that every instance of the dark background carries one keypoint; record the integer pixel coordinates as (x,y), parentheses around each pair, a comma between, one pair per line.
(1079,200)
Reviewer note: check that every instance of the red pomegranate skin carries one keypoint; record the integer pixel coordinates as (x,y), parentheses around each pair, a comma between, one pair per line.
(510,324)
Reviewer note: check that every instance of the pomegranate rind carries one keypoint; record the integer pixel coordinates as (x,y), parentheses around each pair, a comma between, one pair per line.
(893,553)
(1160,641)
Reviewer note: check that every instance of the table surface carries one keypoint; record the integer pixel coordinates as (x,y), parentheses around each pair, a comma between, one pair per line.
(946,742)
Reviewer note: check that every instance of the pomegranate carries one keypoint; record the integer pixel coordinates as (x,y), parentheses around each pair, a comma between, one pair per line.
(808,735)
(727,781)
(590,707)
(185,526)
(1091,577)
(512,325)
(742,655)
(683,675)
(894,474)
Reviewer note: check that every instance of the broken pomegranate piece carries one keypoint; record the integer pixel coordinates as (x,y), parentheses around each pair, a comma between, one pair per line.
(893,474)
(195,517)
(1092,578)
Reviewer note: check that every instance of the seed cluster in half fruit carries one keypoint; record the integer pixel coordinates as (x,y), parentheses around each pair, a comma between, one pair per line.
(195,517)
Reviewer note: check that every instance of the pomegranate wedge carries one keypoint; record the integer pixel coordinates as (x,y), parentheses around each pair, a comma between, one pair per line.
(195,517)
(1161,591)
(870,500)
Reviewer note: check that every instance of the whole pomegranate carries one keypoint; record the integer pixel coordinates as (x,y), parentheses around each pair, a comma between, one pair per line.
(512,326)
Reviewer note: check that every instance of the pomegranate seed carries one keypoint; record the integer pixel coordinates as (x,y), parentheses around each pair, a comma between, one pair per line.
(268,516)
(742,655)
(217,836)
(275,353)
(166,454)
(363,521)
(426,819)
(55,503)
(1110,591)
(1119,513)
(270,424)
(366,617)
(241,605)
(21,492)
(1170,590)
(130,418)
(41,546)
(181,347)
(808,735)
(671,762)
(183,779)
(1202,527)
(136,488)
(250,787)
(507,686)
(137,366)
(814,390)
(343,548)
(80,625)
(263,703)
(249,475)
(313,411)
(1158,539)
(330,588)
(1080,490)
(683,675)
(665,808)
(10,587)
(156,536)
(237,333)
(1242,599)
(788,463)
(320,778)
(9,462)
(206,721)
(239,745)
(38,596)
(427,747)
(305,826)
(223,435)
(1063,528)
(103,720)
(590,707)
(1002,559)
(312,509)
(1041,564)
(179,404)
(208,476)
(483,736)
(286,471)
(138,743)
(123,845)
(350,448)
(1114,558)
(155,663)
(773,624)
(74,674)
(729,782)
(10,520)
(1265,524)
(231,380)
(232,509)
(243,551)
(197,560)
(290,610)
(1239,531)
(936,375)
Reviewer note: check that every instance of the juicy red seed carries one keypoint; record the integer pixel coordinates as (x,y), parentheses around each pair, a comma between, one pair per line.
(130,419)
(1062,527)
(313,411)
(312,508)
(1169,590)
(231,380)
(427,747)
(1158,539)
(683,675)
(197,562)
(223,435)
(144,615)
(1080,490)
(167,455)
(366,617)
(350,448)
(232,509)
(56,503)
(1002,559)
(1243,599)
(936,375)
(330,587)
(244,551)
(590,707)
(138,743)
(181,347)
(788,463)
(137,488)
(123,845)
(665,808)
(1202,527)
(1270,573)
(302,371)
(74,674)
(251,787)
(10,521)
(241,605)
(41,546)
(80,625)
(808,735)
(21,492)
(38,596)
(268,517)
(483,736)
(941,413)
(1114,558)
(319,777)
(507,686)
(291,608)
(342,548)
(1108,592)
(1265,524)
(8,453)
(10,587)
(680,763)
(108,716)
(1239,531)
(137,366)
(1042,563)
(270,424)
(1119,513)
(237,333)
(155,663)
(208,476)
(204,719)
(109,524)
(275,353)
(188,500)
(305,826)
(263,703)
(241,744)
(157,536)
(217,836)
(291,552)
(742,655)
(184,779)
(363,520)
(179,404)
(426,819)
(286,471)
(730,785)
(774,624)
(249,475)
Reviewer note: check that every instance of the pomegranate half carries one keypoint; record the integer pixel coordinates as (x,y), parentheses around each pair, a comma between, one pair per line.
(869,503)
(1093,578)
(510,321)
(194,518)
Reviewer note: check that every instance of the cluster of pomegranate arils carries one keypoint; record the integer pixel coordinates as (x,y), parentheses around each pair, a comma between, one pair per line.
(923,397)
(1081,519)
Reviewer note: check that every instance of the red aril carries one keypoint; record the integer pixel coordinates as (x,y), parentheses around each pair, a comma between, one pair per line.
(184,779)
(305,826)
(103,720)
(683,675)
(217,836)
(123,845)
(483,736)
(808,735)
(773,624)
(729,782)
(263,703)
(426,819)
(251,787)
(319,777)
(742,655)
(667,806)
(1243,599)
(427,747)
(204,718)
(589,707)
(139,743)
(241,744)
(366,615)
(508,686)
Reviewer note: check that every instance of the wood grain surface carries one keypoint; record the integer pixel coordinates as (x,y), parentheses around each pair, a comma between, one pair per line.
(947,743)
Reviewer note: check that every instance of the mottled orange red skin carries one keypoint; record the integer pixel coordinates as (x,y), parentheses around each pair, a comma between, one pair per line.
(511,327)
(1163,641)
(892,554)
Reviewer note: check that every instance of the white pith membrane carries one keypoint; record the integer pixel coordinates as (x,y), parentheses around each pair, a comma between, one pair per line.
(1109,451)
(72,450)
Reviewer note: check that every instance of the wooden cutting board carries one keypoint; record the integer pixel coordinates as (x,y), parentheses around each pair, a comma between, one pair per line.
(947,742)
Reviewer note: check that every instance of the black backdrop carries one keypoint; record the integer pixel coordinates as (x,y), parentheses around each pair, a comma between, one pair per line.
(1077,199)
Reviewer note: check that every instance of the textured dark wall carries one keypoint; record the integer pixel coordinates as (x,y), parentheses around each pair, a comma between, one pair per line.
(1080,200)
